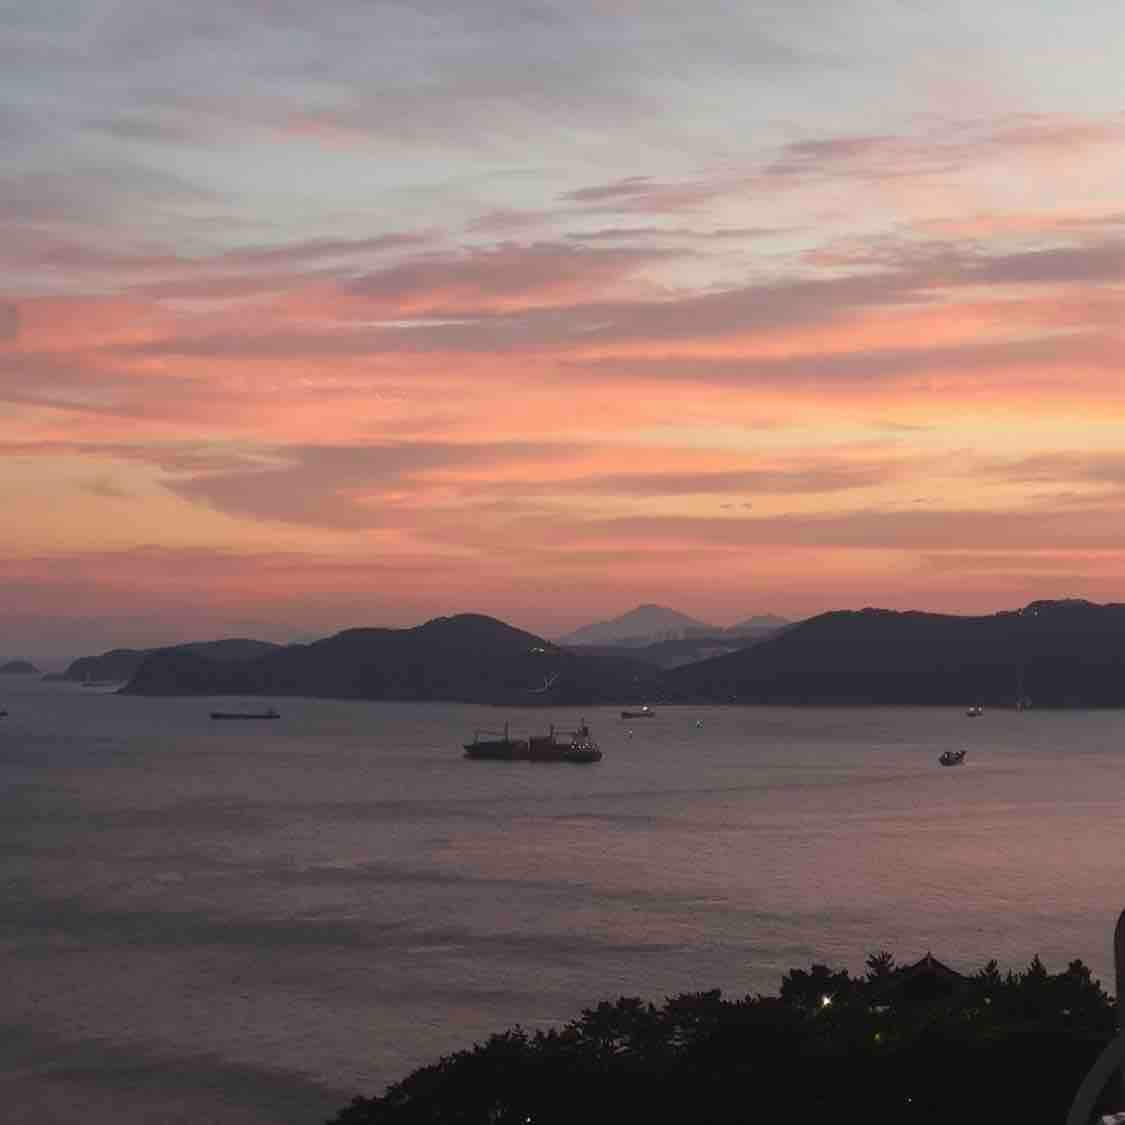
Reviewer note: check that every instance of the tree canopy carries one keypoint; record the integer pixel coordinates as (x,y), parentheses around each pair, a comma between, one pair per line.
(917,1043)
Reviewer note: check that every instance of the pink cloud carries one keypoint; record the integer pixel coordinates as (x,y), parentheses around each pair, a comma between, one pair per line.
(507,276)
(643,194)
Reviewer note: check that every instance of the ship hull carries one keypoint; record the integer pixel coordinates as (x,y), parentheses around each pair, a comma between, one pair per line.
(496,751)
(523,752)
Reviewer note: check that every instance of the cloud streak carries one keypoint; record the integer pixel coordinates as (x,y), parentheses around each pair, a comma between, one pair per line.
(345,487)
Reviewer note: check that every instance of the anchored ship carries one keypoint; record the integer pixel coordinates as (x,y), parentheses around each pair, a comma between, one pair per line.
(645,712)
(555,746)
(270,714)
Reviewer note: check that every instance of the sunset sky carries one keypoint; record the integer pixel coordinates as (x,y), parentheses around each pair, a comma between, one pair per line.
(319,315)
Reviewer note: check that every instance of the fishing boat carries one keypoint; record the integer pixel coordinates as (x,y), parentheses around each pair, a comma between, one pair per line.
(952,757)
(555,746)
(645,712)
(975,711)
(268,714)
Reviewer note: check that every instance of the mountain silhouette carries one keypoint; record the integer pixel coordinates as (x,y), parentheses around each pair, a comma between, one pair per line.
(759,625)
(120,664)
(467,658)
(1054,653)
(18,668)
(644,625)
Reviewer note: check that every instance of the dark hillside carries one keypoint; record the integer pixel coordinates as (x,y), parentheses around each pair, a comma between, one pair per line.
(18,668)
(1056,653)
(673,653)
(120,664)
(468,658)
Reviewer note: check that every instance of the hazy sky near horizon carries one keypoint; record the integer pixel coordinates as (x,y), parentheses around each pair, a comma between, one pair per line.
(359,313)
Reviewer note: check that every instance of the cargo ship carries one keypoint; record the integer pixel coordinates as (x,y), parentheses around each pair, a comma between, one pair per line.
(555,746)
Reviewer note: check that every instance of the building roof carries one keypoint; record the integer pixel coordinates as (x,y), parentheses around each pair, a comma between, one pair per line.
(923,976)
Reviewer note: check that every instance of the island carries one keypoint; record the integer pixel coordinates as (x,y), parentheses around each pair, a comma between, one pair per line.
(19,668)
(119,665)
(467,658)
(1044,655)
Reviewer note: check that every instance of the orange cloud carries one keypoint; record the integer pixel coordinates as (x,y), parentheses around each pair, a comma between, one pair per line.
(586,417)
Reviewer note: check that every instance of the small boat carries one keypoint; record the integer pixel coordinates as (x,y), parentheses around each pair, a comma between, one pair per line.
(952,757)
(270,714)
(975,711)
(646,712)
(554,746)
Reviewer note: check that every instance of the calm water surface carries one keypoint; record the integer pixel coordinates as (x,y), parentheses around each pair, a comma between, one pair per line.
(250,923)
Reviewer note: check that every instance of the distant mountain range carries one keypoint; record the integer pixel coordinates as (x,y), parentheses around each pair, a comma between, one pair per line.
(1049,654)
(762,623)
(641,626)
(650,624)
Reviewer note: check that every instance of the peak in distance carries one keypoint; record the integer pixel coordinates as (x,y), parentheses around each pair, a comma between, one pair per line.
(651,624)
(641,626)
(1048,654)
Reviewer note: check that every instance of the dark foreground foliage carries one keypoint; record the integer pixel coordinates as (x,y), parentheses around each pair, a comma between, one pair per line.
(895,1045)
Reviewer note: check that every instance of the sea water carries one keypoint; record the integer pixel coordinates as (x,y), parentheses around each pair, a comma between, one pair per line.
(250,923)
